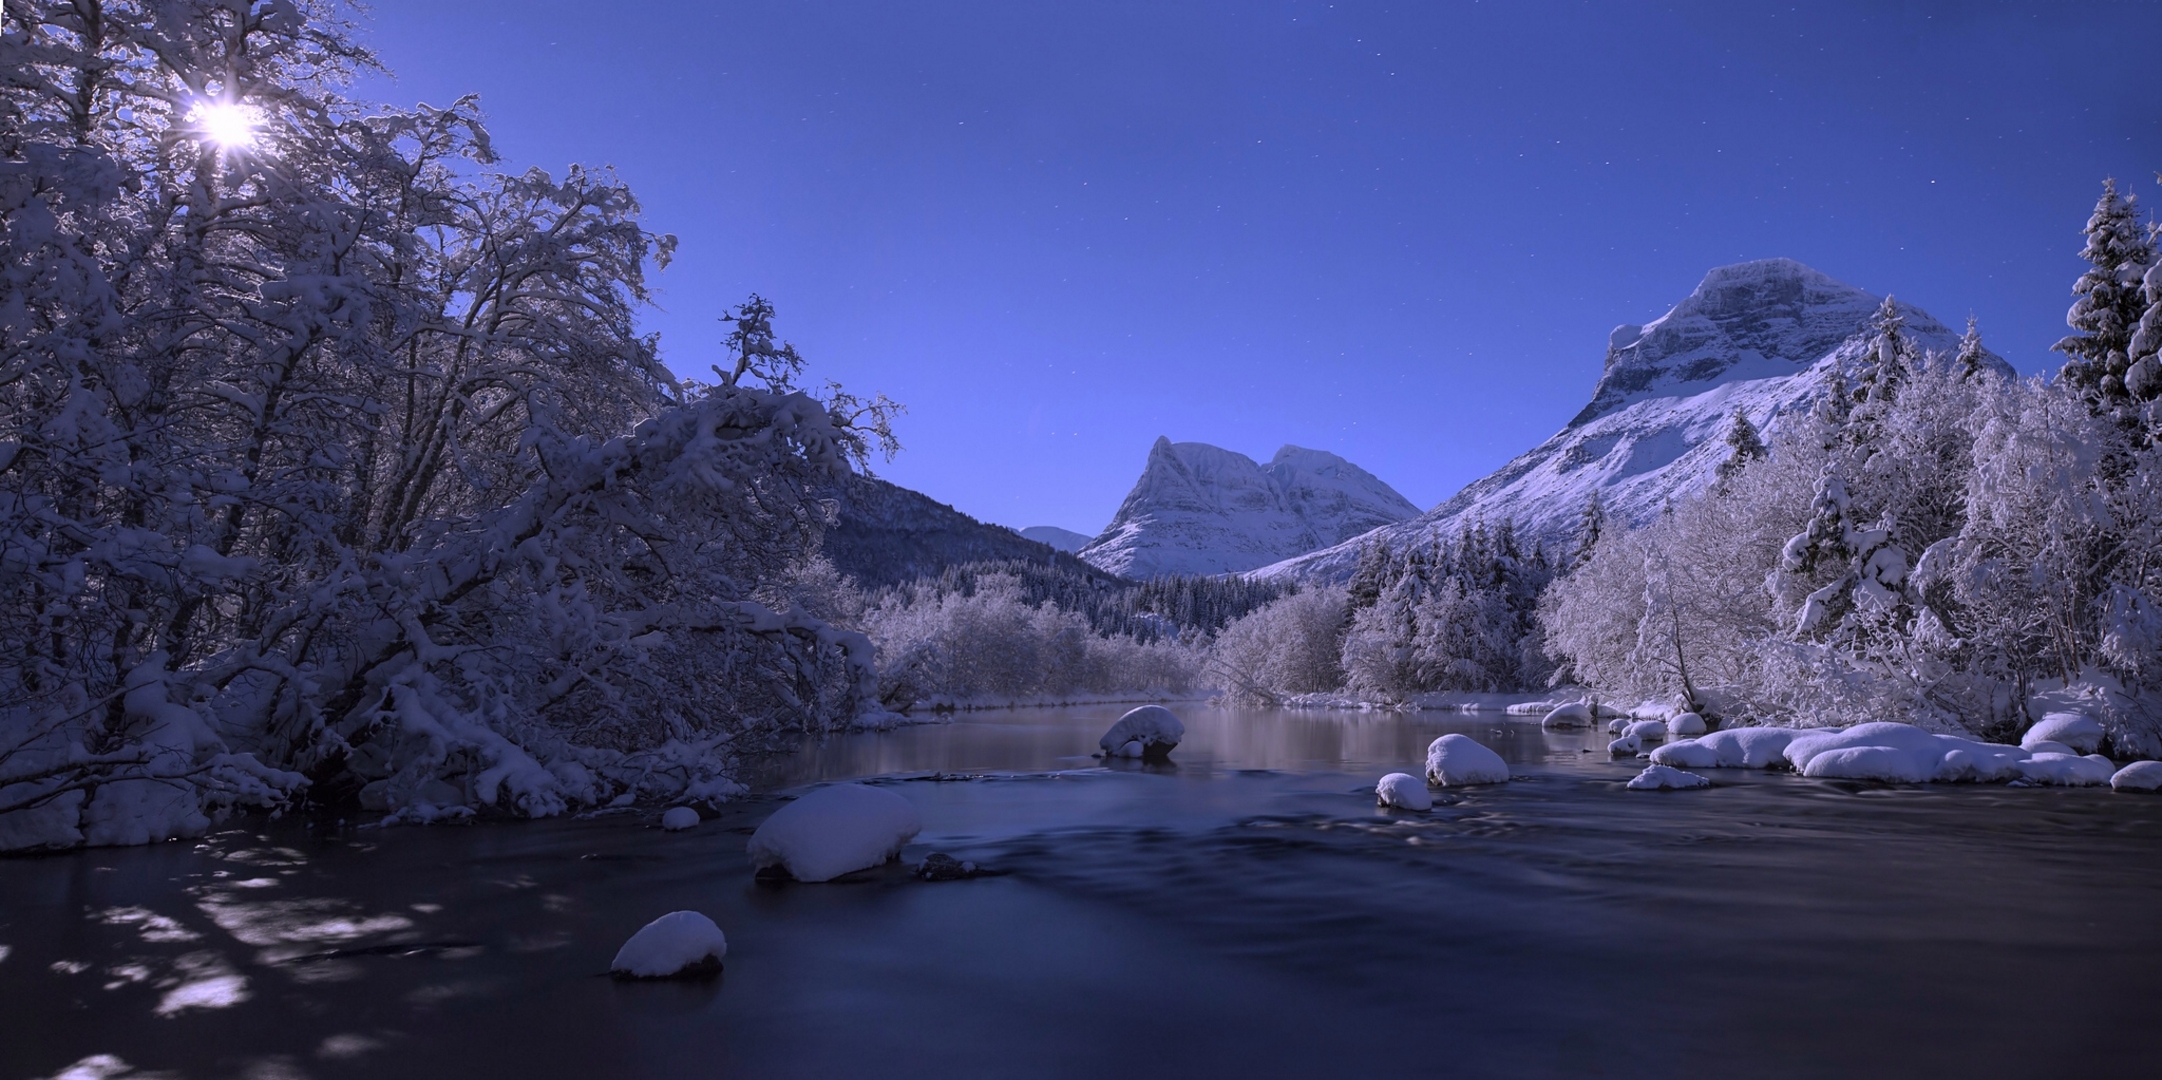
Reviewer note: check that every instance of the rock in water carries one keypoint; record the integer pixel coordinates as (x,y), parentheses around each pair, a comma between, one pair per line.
(1574,715)
(835,830)
(1626,746)
(1687,723)
(2138,776)
(1647,730)
(1403,791)
(2079,731)
(1457,760)
(679,818)
(1664,778)
(939,866)
(678,945)
(1149,732)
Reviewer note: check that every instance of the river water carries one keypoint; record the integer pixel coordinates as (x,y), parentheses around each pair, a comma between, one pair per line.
(1244,911)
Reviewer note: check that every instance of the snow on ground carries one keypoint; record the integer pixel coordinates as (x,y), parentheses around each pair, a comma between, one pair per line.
(835,830)
(1456,760)
(680,943)
(1664,778)
(2138,776)
(1150,731)
(1403,791)
(2082,733)
(679,818)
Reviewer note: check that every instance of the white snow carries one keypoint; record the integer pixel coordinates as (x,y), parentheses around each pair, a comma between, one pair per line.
(1687,723)
(1200,509)
(2082,733)
(1905,754)
(2068,770)
(1572,715)
(678,943)
(1647,730)
(1617,725)
(835,830)
(1733,748)
(1404,792)
(2138,776)
(679,818)
(1457,760)
(1149,731)
(1625,746)
(1663,778)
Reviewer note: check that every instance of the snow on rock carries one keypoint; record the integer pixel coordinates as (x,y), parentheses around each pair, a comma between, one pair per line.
(680,944)
(2067,770)
(2138,776)
(1663,778)
(1457,760)
(1755,336)
(1573,715)
(1404,792)
(1647,730)
(1617,725)
(1687,723)
(1625,746)
(2079,731)
(1903,754)
(1199,509)
(835,830)
(2044,746)
(1150,731)
(1733,748)
(1686,754)
(679,818)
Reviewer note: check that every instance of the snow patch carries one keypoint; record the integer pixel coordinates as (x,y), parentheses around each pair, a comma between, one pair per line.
(2138,776)
(1457,760)
(1665,778)
(1569,716)
(2076,730)
(835,830)
(676,945)
(1403,791)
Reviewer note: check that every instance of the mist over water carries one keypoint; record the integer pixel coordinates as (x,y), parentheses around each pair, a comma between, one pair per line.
(1244,909)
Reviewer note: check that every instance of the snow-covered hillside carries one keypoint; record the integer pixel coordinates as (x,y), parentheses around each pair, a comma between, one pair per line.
(1060,539)
(1754,336)
(1198,509)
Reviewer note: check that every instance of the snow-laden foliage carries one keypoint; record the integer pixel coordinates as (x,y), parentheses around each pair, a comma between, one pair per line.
(993,643)
(1292,646)
(334,463)
(1455,615)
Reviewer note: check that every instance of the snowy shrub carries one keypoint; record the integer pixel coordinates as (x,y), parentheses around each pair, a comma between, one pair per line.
(1292,646)
(1453,616)
(334,461)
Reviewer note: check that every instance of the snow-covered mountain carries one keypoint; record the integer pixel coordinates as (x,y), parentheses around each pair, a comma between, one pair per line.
(887,534)
(1753,336)
(1198,509)
(1061,539)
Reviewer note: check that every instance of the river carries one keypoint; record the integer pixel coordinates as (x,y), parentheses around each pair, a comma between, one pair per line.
(1243,911)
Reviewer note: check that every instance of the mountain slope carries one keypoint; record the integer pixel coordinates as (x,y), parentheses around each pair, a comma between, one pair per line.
(1063,539)
(1756,336)
(888,534)
(1199,509)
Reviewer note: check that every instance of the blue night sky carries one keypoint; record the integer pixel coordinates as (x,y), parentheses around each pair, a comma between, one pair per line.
(1400,232)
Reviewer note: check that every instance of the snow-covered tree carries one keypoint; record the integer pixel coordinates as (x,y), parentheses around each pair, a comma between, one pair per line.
(2110,299)
(1744,446)
(1972,359)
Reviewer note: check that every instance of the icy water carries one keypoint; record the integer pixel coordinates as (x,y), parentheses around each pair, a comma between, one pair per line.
(1246,912)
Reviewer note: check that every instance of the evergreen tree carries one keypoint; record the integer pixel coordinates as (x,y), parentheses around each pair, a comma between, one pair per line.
(1747,446)
(1971,354)
(1589,524)
(2144,378)
(1885,367)
(2110,300)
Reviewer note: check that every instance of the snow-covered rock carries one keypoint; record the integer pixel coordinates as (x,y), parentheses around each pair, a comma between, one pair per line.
(1664,778)
(1458,760)
(2044,746)
(1150,731)
(2138,776)
(1626,746)
(679,818)
(1404,792)
(1902,753)
(1755,336)
(676,945)
(1733,748)
(1647,730)
(835,830)
(2082,733)
(1574,715)
(1617,725)
(1199,509)
(1684,724)
(2068,770)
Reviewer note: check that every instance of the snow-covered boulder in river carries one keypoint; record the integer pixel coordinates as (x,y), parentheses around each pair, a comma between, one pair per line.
(2138,776)
(1734,748)
(1626,746)
(2079,731)
(1573,715)
(2068,770)
(1459,760)
(1664,778)
(1150,732)
(680,944)
(1200,509)
(679,818)
(1403,791)
(835,830)
(1647,730)
(1684,724)
(1758,337)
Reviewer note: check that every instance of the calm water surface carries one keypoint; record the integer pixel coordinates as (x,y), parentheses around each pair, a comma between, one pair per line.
(1245,911)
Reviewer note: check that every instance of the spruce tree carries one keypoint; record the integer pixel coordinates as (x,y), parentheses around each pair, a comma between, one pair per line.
(1884,368)
(2144,377)
(1747,446)
(2109,301)
(1971,354)
(1589,525)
